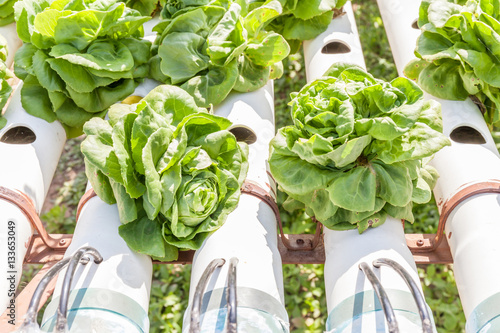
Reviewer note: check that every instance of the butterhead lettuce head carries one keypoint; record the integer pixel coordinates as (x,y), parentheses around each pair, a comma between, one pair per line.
(459,52)
(78,58)
(358,149)
(210,48)
(173,169)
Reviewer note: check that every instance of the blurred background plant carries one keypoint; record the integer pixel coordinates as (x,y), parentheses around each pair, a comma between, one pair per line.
(304,284)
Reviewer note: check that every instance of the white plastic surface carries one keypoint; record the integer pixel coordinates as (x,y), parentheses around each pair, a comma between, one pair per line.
(250,232)
(28,168)
(13,41)
(374,322)
(122,271)
(345,250)
(398,17)
(145,87)
(473,228)
(342,29)
(149,34)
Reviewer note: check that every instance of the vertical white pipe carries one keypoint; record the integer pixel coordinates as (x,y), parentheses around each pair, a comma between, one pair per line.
(399,17)
(112,296)
(342,30)
(248,234)
(351,302)
(27,168)
(13,41)
(473,228)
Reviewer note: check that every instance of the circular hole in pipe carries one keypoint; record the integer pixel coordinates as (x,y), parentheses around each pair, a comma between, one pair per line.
(336,47)
(243,133)
(414,25)
(467,134)
(19,135)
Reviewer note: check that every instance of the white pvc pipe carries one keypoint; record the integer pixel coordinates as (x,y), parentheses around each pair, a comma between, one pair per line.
(343,29)
(398,17)
(248,234)
(350,296)
(112,296)
(472,228)
(13,41)
(27,168)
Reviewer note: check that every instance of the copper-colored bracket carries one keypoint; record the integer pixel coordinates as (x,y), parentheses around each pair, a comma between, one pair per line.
(294,243)
(431,244)
(86,197)
(28,208)
(39,253)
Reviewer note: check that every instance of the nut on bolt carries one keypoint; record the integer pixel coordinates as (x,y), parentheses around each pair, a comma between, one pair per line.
(420,242)
(62,242)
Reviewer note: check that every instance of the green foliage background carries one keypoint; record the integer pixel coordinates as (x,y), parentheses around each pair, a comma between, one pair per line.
(304,284)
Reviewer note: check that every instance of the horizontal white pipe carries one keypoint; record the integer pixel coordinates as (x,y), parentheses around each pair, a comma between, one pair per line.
(27,168)
(249,233)
(13,41)
(112,296)
(342,29)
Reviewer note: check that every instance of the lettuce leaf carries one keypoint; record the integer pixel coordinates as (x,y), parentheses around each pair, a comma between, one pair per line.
(458,52)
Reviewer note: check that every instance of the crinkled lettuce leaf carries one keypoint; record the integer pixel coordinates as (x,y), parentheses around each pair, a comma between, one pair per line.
(78,58)
(358,149)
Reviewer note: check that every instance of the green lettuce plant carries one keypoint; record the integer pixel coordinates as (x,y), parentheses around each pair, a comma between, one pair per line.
(78,58)
(6,12)
(145,7)
(210,48)
(358,149)
(303,20)
(459,52)
(5,74)
(173,170)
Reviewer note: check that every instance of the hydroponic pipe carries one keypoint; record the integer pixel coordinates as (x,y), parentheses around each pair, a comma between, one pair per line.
(29,151)
(114,296)
(249,235)
(9,32)
(352,303)
(339,43)
(472,228)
